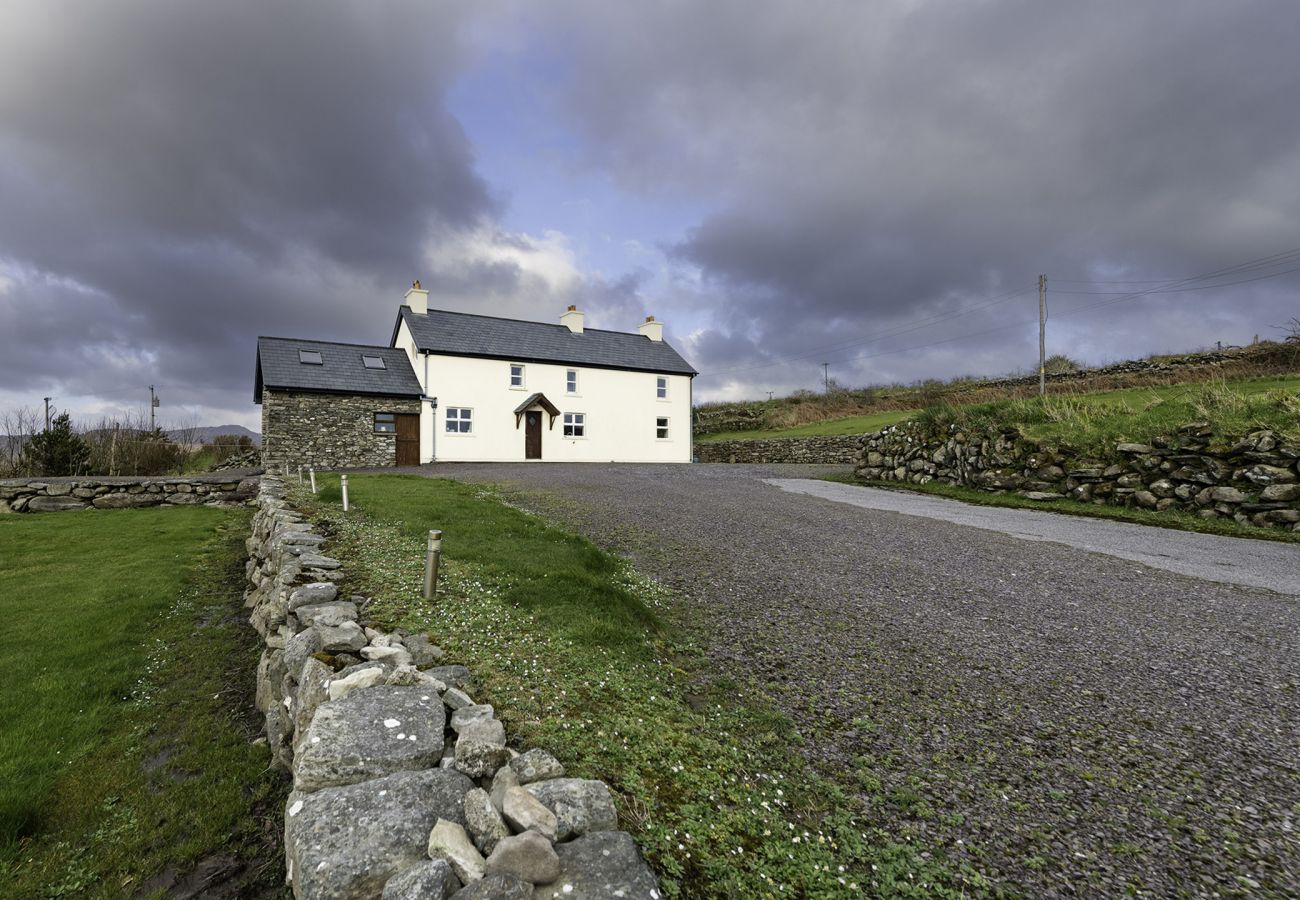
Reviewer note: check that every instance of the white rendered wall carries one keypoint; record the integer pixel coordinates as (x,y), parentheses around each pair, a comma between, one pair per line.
(620,407)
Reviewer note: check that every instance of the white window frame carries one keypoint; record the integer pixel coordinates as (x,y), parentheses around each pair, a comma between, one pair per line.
(575,420)
(666,428)
(571,382)
(661,387)
(523,377)
(459,419)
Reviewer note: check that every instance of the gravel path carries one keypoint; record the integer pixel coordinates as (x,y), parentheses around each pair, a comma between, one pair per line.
(1067,723)
(1265,564)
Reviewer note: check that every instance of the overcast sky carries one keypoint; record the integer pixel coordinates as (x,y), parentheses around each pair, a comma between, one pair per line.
(876,185)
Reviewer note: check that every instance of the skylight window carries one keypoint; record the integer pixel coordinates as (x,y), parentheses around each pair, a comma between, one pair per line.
(373,362)
(310,358)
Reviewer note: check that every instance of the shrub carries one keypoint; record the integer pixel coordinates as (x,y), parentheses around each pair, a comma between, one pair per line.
(56,451)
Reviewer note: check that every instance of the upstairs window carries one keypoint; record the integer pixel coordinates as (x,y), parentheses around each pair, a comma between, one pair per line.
(373,362)
(661,428)
(575,425)
(385,423)
(460,420)
(661,387)
(516,376)
(571,381)
(310,358)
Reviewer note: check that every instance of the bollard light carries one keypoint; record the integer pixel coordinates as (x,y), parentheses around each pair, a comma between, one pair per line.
(300,476)
(343,480)
(312,472)
(432,557)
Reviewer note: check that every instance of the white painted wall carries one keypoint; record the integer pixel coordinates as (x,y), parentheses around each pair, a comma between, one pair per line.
(620,407)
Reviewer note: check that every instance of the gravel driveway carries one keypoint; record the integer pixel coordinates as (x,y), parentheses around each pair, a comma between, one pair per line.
(1065,722)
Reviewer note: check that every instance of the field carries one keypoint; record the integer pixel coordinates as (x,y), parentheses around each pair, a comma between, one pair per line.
(126,761)
(1093,420)
(581,656)
(839,410)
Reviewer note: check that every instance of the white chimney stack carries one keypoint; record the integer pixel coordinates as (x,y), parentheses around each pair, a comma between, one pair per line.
(652,329)
(417,298)
(572,320)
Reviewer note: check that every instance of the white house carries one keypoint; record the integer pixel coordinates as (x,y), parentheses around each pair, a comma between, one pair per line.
(498,390)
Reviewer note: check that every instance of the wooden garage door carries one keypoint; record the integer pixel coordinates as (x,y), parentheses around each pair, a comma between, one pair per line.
(408,439)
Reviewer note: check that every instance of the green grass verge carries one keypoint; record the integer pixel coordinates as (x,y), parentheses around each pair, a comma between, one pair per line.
(127,756)
(824,428)
(1175,519)
(578,655)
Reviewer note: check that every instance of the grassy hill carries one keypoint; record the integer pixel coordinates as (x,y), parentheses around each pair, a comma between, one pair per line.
(868,409)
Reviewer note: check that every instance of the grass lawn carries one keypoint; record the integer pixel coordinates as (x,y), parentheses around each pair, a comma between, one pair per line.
(127,756)
(579,655)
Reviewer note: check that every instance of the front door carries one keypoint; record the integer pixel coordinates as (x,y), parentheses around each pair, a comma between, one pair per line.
(533,435)
(408,439)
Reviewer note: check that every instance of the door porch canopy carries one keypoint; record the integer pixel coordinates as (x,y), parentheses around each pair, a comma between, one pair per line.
(537,400)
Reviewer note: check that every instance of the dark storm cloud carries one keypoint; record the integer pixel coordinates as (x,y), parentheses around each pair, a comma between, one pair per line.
(874,164)
(175,178)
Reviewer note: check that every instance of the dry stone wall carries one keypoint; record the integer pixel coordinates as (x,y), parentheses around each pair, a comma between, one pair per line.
(404,786)
(328,431)
(836,449)
(1254,479)
(71,494)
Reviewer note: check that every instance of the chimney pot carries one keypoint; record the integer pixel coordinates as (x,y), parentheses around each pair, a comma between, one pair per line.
(572,308)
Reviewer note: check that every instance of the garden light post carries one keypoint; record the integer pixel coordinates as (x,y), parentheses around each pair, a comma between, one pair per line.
(312,472)
(343,480)
(432,557)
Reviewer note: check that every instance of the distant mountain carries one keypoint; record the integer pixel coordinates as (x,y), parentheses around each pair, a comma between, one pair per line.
(206,433)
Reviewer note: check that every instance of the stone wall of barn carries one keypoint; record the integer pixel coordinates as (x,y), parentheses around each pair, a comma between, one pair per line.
(328,431)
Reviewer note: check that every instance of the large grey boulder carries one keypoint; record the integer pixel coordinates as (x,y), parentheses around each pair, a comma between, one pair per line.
(525,812)
(334,613)
(580,805)
(429,879)
(535,765)
(347,637)
(497,887)
(313,690)
(312,594)
(479,712)
(300,648)
(126,501)
(449,841)
(483,821)
(481,748)
(368,734)
(54,504)
(600,865)
(346,842)
(423,651)
(527,856)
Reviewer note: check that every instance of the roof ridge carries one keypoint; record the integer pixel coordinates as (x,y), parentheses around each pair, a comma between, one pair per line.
(453,312)
(271,337)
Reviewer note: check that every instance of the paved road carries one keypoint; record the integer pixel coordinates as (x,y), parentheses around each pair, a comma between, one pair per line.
(1265,564)
(1066,722)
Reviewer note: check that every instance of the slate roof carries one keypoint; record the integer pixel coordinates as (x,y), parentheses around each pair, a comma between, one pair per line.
(341,370)
(465,334)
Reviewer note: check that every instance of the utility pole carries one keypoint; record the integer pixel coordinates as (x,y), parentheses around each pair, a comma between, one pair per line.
(47,412)
(769,394)
(153,404)
(826,377)
(1042,335)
